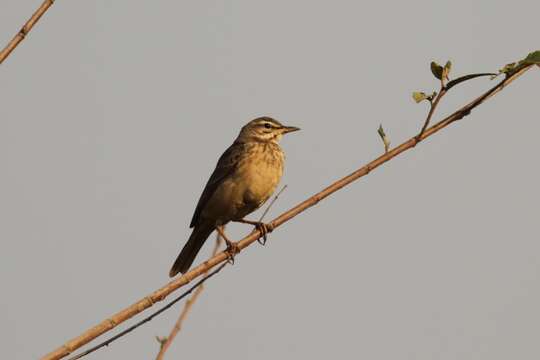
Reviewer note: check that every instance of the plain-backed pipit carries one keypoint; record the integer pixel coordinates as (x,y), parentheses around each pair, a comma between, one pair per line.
(245,177)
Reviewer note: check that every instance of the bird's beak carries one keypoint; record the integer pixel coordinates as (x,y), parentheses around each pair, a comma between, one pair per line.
(288,129)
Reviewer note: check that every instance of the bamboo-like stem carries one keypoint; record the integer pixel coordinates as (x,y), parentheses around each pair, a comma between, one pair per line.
(185,279)
(25,30)
(187,307)
(140,323)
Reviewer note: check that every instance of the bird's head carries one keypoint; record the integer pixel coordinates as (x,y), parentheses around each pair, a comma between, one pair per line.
(264,129)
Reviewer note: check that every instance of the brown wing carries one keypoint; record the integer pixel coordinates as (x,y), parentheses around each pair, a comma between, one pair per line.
(225,166)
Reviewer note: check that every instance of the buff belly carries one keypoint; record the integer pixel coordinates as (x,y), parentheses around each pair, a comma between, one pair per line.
(244,191)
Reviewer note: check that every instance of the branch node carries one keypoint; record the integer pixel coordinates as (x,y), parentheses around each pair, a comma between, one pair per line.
(21,34)
(150,300)
(68,349)
(463,113)
(162,340)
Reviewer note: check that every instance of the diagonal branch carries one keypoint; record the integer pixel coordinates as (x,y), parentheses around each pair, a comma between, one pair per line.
(25,30)
(185,279)
(107,342)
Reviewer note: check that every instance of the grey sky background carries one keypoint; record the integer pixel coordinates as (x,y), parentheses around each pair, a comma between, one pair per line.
(113,116)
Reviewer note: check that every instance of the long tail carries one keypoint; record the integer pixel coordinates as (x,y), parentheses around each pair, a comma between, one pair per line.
(191,249)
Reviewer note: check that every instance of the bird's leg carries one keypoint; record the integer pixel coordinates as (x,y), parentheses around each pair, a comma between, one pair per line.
(263,228)
(232,247)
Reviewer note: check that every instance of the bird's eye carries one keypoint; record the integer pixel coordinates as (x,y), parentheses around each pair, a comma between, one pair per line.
(267,125)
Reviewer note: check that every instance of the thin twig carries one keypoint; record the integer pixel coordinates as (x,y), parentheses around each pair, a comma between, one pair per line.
(187,307)
(197,271)
(272,202)
(197,285)
(444,89)
(25,30)
(464,78)
(432,108)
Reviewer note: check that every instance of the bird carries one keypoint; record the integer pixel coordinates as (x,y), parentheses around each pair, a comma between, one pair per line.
(245,177)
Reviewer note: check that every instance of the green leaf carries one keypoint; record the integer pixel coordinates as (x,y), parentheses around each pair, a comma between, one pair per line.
(508,68)
(436,70)
(384,138)
(532,58)
(381,132)
(419,96)
(448,65)
(446,69)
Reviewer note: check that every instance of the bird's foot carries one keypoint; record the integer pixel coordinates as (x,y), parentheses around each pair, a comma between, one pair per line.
(263,228)
(231,250)
(232,247)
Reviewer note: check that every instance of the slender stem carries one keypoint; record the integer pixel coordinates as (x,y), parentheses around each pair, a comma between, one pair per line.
(25,30)
(183,315)
(433,106)
(197,271)
(272,203)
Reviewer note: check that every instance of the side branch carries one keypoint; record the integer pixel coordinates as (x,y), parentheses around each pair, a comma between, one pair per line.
(199,270)
(187,307)
(25,30)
